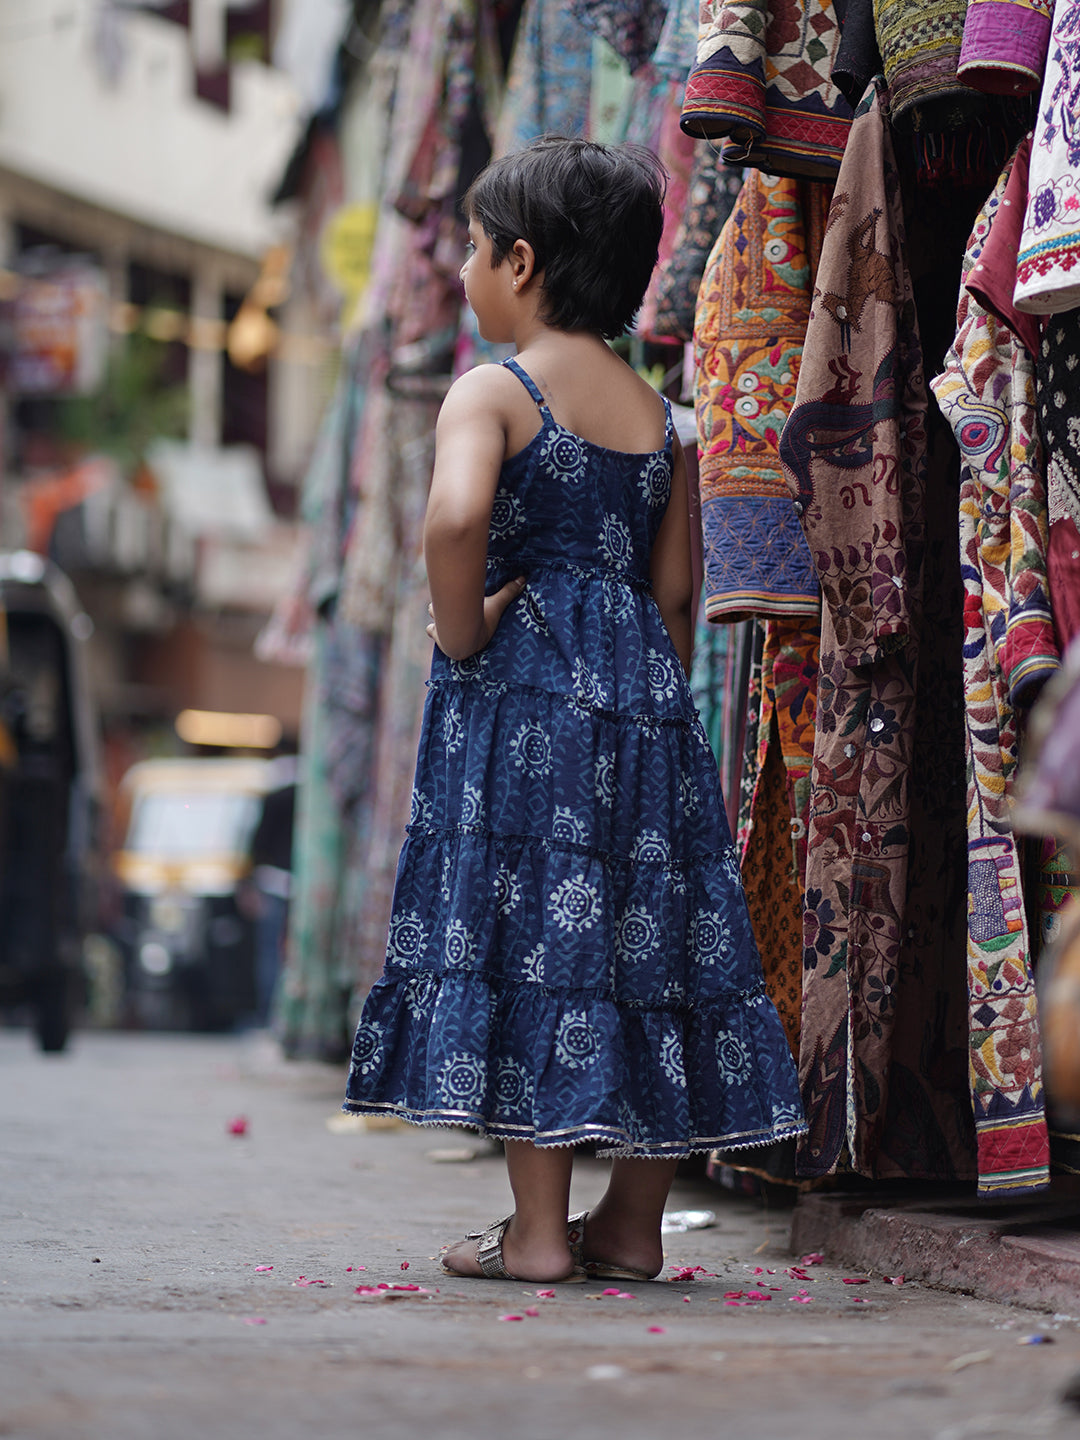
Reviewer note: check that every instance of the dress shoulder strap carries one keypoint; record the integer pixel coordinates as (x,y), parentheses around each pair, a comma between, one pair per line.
(669,427)
(529,383)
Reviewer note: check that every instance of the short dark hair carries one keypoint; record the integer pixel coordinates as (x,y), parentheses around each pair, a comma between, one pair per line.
(592,213)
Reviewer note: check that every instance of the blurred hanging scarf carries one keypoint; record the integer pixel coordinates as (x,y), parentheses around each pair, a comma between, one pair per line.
(631,27)
(762,83)
(1048,270)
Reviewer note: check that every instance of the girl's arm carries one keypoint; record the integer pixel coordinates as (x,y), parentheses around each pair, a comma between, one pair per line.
(470,444)
(672,578)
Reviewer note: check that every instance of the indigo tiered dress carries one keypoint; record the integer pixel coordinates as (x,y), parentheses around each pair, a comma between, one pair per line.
(569,955)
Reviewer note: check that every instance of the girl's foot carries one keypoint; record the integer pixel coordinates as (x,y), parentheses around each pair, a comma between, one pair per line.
(526,1257)
(621,1246)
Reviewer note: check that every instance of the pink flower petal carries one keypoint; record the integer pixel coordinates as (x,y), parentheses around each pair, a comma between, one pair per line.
(894,1279)
(254,1320)
(733,1294)
(404,1264)
(366,1290)
(533,1311)
(657,1330)
(686,1299)
(757,1295)
(610,1292)
(858,1300)
(262,1269)
(856,1280)
(801,1299)
(511,1317)
(545,1294)
(814,1258)
(238,1125)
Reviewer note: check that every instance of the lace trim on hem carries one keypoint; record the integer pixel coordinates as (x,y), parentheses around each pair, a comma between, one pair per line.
(420,831)
(584,993)
(612,1142)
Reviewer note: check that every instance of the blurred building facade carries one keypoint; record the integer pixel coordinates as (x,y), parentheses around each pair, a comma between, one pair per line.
(160,388)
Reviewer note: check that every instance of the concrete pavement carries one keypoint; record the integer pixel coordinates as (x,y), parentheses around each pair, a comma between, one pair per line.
(135,1298)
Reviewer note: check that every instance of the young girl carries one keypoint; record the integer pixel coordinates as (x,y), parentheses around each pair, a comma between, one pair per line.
(570,957)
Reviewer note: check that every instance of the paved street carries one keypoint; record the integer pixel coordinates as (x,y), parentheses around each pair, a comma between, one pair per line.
(136,1299)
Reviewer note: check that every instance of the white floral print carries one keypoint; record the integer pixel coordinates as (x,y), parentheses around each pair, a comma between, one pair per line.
(575,904)
(564,456)
(734,1058)
(367,1051)
(507,891)
(688,795)
(458,947)
(616,544)
(651,847)
(513,1086)
(605,779)
(636,935)
(575,1042)
(461,1080)
(588,685)
(407,938)
(453,731)
(507,514)
(663,680)
(567,827)
(472,806)
(531,749)
(654,479)
(532,967)
(710,936)
(419,808)
(671,1060)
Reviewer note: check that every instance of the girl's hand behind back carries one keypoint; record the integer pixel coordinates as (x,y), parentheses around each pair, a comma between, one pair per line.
(494,606)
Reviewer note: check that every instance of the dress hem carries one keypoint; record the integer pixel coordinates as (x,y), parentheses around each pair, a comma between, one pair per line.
(611,1143)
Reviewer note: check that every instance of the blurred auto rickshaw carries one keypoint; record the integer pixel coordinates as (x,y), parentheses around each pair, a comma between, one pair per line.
(186,934)
(50,800)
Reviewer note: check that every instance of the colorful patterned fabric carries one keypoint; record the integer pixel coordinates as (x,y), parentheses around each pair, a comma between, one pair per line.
(678,154)
(920,49)
(570,956)
(1058,373)
(761,82)
(987,393)
(773,892)
(549,80)
(719,680)
(631,27)
(714,189)
(882,987)
(677,46)
(752,311)
(992,278)
(1004,46)
(1047,273)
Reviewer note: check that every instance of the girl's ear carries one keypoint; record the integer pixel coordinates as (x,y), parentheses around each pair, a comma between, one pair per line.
(522,258)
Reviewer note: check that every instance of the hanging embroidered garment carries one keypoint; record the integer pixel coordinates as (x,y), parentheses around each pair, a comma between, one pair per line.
(1048,270)
(858,58)
(752,312)
(1059,405)
(920,49)
(714,189)
(1004,46)
(762,83)
(987,393)
(883,1044)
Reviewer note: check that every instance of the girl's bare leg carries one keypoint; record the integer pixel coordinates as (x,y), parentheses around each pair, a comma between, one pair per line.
(624,1228)
(534,1246)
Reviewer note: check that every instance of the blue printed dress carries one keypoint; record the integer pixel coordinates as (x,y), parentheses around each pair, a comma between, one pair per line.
(570,956)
